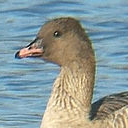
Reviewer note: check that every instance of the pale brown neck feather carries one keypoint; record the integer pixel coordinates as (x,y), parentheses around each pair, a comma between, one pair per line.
(73,90)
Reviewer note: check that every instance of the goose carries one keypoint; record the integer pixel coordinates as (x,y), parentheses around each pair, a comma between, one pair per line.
(63,41)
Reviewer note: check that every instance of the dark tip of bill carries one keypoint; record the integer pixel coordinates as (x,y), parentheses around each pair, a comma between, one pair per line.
(17,55)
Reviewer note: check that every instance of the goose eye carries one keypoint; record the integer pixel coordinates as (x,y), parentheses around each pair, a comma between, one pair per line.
(57,34)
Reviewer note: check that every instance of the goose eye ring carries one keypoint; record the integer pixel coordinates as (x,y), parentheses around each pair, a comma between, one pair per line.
(57,34)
